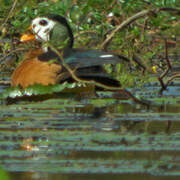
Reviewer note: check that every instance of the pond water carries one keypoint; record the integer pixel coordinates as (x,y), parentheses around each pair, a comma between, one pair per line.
(98,137)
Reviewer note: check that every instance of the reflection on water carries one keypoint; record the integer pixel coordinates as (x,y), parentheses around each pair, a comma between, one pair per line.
(93,138)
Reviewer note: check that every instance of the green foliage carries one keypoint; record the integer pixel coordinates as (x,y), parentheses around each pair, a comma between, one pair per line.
(4,175)
(93,20)
(43,90)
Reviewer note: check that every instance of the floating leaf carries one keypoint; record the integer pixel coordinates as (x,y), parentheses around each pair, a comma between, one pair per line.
(46,90)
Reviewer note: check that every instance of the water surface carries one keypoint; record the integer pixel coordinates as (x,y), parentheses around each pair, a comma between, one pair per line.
(98,137)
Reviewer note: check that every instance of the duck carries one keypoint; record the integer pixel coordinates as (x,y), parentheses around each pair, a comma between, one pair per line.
(44,66)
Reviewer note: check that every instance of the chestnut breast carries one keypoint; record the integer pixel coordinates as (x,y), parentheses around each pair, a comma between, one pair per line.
(33,71)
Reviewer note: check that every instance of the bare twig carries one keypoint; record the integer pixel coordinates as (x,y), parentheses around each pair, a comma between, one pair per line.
(172,78)
(72,72)
(177,11)
(138,61)
(10,53)
(134,18)
(124,24)
(166,54)
(84,32)
(164,85)
(9,14)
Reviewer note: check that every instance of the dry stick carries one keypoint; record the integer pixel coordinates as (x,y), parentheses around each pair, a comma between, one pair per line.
(12,9)
(10,53)
(160,78)
(72,72)
(125,23)
(5,21)
(133,18)
(172,78)
(163,85)
(138,61)
(167,58)
(84,32)
(175,10)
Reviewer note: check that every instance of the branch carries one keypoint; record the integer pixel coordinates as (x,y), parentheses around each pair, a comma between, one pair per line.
(11,53)
(9,14)
(163,85)
(72,72)
(134,18)
(177,11)
(137,60)
(173,77)
(168,81)
(124,24)
(166,55)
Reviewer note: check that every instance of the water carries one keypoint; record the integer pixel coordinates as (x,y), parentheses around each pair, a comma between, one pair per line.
(102,137)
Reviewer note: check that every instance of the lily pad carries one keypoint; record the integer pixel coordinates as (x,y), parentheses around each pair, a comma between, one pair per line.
(36,90)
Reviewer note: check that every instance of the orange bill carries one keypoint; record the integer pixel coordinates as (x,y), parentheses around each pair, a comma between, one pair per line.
(29,36)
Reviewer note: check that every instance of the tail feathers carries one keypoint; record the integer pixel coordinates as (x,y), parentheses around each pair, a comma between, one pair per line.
(104,80)
(101,78)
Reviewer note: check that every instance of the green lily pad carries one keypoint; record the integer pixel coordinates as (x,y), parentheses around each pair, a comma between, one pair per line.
(36,90)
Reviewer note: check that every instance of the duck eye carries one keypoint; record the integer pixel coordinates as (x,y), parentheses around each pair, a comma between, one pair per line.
(43,22)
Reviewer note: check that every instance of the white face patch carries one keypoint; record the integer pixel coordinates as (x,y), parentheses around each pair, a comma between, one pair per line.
(41,27)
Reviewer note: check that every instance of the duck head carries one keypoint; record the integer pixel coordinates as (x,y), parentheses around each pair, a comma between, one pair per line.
(50,28)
